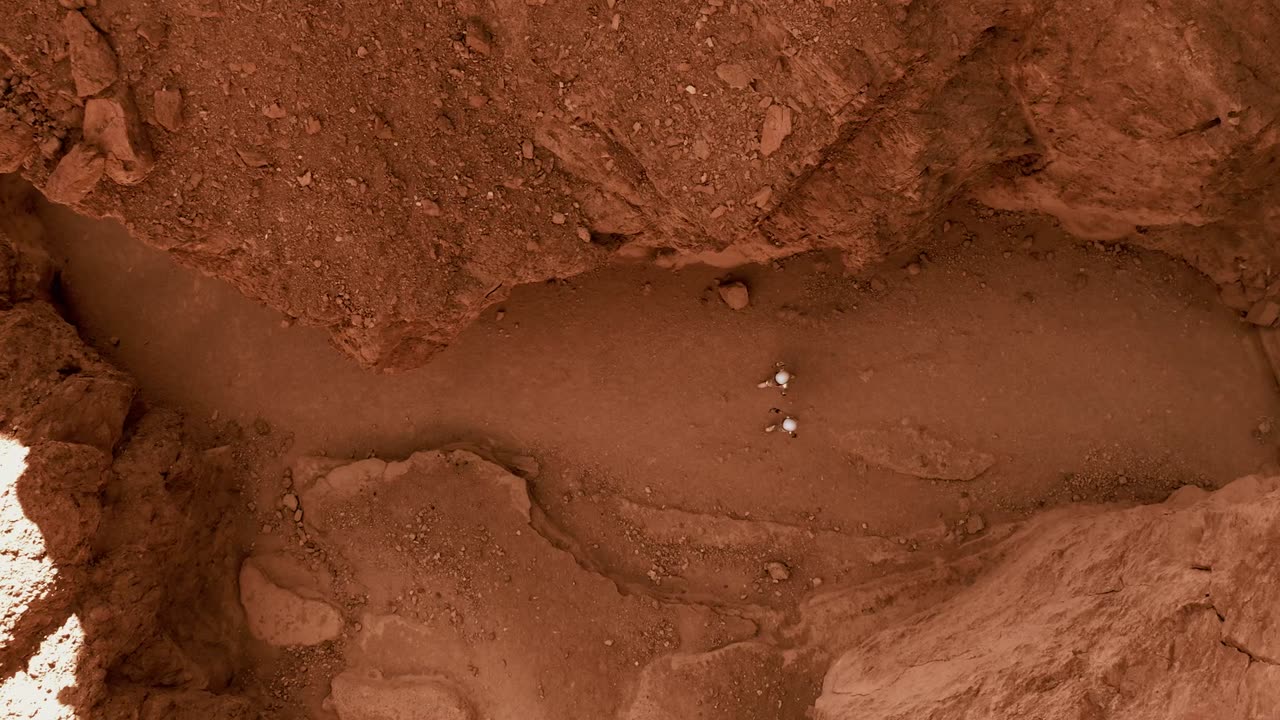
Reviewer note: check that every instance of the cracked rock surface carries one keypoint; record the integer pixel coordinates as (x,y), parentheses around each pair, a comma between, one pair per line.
(1164,611)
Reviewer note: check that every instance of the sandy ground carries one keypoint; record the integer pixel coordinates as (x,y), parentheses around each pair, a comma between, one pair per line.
(406,186)
(1013,370)
(1087,374)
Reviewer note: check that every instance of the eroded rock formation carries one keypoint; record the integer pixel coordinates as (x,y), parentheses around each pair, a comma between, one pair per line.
(116,562)
(405,167)
(1165,611)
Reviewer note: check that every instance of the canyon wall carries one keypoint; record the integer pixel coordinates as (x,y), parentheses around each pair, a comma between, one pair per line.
(117,561)
(388,172)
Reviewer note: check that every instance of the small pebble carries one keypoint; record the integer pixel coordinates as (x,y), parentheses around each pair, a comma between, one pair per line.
(974,524)
(735,295)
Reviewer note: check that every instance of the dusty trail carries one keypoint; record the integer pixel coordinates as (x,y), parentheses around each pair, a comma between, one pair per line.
(1088,375)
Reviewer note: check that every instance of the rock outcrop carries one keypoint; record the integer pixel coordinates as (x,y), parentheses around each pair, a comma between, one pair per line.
(407,175)
(1164,611)
(282,616)
(116,562)
(1154,612)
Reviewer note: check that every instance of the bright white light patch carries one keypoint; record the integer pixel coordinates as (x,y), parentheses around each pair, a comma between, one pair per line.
(26,577)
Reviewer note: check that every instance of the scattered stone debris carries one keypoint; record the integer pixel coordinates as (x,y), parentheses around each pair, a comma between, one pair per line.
(525,466)
(777,126)
(112,124)
(153,32)
(734,75)
(778,571)
(168,108)
(914,451)
(1262,431)
(478,37)
(252,158)
(289,500)
(974,524)
(1271,347)
(76,175)
(282,617)
(762,197)
(734,294)
(93,63)
(430,207)
(356,695)
(1264,312)
(16,141)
